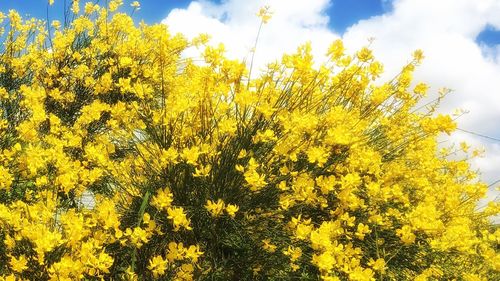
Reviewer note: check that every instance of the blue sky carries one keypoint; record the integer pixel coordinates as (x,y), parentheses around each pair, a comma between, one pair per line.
(489,36)
(342,13)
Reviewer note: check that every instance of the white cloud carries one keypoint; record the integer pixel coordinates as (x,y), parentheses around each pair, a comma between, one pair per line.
(234,22)
(444,29)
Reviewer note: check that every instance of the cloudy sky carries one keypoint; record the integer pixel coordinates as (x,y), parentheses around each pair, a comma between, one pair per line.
(460,38)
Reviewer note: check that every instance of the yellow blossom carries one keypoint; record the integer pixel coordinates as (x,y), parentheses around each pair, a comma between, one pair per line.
(18,264)
(268,246)
(157,265)
(231,210)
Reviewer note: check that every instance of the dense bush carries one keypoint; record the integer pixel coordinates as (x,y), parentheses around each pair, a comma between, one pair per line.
(122,159)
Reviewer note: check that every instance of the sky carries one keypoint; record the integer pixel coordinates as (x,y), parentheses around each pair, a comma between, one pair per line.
(460,39)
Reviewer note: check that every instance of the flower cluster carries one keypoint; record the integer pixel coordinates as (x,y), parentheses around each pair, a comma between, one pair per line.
(122,159)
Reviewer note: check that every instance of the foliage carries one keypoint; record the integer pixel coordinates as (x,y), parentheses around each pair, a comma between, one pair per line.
(122,159)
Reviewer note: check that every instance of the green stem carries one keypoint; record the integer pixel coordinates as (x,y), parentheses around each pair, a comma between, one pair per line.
(145,201)
(253,54)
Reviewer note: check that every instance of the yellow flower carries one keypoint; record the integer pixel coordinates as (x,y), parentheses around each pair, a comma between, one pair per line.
(293,252)
(361,274)
(75,7)
(318,155)
(239,168)
(336,49)
(362,230)
(114,5)
(185,272)
(268,246)
(378,265)
(163,199)
(365,54)
(138,236)
(215,208)
(406,235)
(9,242)
(418,55)
(231,210)
(421,89)
(175,251)
(202,171)
(18,264)
(157,265)
(265,14)
(5,178)
(191,154)
(130,274)
(303,230)
(193,252)
(178,217)
(324,261)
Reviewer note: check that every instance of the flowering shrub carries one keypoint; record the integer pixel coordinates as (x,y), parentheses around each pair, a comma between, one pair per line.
(121,159)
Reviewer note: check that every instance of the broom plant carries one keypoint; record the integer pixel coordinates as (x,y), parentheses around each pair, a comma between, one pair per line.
(121,159)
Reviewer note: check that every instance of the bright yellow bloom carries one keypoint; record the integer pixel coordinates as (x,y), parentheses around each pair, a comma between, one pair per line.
(193,252)
(365,55)
(138,236)
(231,210)
(406,235)
(268,246)
(5,178)
(293,252)
(418,55)
(191,154)
(317,155)
(175,251)
(178,217)
(158,266)
(377,265)
(215,208)
(324,261)
(163,199)
(265,14)
(362,230)
(18,264)
(336,49)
